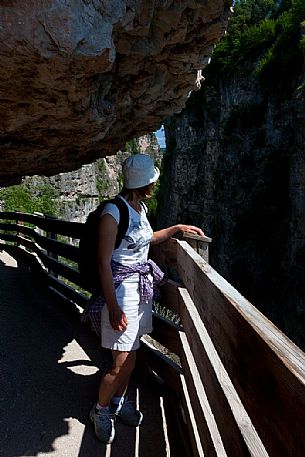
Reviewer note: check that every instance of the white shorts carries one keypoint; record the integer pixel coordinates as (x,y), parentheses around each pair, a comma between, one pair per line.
(139,316)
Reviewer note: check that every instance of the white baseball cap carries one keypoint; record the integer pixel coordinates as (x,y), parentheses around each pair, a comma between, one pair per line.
(139,171)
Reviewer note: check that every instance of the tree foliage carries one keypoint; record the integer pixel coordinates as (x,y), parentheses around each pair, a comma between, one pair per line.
(42,198)
(132,146)
(266,34)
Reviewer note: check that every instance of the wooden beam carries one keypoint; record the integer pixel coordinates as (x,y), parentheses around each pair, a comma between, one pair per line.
(207,428)
(70,229)
(238,434)
(9,215)
(165,368)
(196,449)
(169,295)
(202,239)
(8,227)
(67,291)
(266,368)
(57,247)
(166,333)
(61,269)
(199,243)
(7,237)
(164,254)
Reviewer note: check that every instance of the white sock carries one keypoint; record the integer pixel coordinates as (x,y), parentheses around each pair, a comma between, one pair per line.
(98,407)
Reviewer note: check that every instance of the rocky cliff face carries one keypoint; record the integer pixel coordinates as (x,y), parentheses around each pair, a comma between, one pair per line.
(80,191)
(78,79)
(236,167)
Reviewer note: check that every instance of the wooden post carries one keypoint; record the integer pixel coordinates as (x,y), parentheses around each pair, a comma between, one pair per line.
(199,243)
(17,232)
(37,229)
(52,236)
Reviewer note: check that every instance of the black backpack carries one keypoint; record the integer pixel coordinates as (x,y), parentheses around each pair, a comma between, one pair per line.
(88,244)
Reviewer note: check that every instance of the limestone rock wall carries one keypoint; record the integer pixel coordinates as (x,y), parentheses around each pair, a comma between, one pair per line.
(79,78)
(236,167)
(80,191)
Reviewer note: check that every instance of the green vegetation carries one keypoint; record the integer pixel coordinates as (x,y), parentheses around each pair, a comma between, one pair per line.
(265,34)
(244,116)
(132,146)
(166,313)
(42,198)
(101,184)
(152,203)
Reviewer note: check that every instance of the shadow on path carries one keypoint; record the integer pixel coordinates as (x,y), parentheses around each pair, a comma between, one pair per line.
(50,371)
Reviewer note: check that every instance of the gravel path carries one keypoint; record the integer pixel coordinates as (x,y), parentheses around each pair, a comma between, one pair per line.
(50,371)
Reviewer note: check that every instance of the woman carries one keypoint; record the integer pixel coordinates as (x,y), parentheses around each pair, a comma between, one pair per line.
(128,311)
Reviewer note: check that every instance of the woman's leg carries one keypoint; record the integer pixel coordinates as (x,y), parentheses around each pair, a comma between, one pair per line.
(116,381)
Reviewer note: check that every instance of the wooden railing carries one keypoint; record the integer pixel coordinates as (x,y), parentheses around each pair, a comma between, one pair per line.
(239,381)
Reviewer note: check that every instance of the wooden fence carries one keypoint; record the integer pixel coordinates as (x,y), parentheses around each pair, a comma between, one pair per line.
(240,381)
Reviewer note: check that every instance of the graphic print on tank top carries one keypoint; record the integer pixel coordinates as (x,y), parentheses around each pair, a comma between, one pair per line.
(139,235)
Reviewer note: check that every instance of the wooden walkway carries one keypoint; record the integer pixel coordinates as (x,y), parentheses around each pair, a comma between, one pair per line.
(234,384)
(50,371)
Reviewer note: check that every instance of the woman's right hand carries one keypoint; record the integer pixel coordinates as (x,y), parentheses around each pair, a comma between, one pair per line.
(117,318)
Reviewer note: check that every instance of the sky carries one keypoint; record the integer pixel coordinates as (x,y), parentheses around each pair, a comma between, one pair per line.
(160,137)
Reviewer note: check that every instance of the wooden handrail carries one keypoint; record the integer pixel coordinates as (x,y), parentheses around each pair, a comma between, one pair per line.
(65,228)
(265,367)
(241,381)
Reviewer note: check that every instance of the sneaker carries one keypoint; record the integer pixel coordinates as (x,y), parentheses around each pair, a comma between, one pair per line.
(127,412)
(103,425)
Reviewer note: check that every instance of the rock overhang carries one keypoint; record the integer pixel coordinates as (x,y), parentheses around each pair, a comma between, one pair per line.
(78,79)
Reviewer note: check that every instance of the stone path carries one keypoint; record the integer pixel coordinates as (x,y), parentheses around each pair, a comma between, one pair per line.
(49,377)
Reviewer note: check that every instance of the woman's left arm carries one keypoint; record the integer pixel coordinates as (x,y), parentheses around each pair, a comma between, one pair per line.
(164,234)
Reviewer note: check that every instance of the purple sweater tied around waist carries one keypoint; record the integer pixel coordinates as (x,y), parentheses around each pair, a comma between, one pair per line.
(147,289)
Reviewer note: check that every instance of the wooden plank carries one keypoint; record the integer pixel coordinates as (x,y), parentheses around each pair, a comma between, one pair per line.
(191,422)
(8,227)
(165,368)
(67,291)
(62,249)
(166,332)
(236,429)
(61,269)
(199,244)
(8,215)
(25,230)
(29,244)
(71,229)
(57,267)
(7,237)
(266,368)
(169,295)
(207,428)
(56,247)
(203,239)
(57,284)
(178,436)
(164,254)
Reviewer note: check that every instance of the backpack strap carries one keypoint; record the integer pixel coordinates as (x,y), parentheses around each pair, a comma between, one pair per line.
(124,219)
